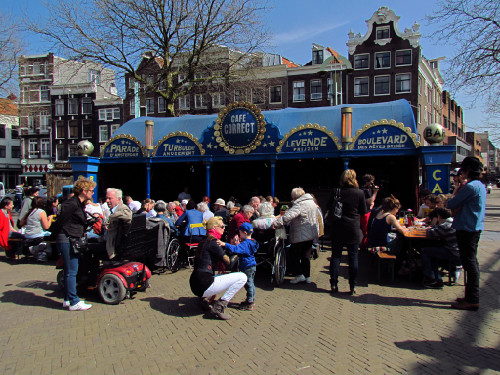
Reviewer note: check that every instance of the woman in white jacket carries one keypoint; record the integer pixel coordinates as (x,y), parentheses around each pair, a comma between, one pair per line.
(304,229)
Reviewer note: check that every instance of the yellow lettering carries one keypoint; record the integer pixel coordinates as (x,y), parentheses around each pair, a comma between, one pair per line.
(435,173)
(437,188)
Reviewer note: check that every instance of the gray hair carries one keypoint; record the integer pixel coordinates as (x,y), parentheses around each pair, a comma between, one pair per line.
(171,204)
(160,206)
(297,192)
(248,208)
(118,193)
(254,199)
(202,206)
(266,209)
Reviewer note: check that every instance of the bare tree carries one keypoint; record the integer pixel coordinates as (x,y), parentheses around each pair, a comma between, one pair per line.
(183,35)
(473,26)
(10,49)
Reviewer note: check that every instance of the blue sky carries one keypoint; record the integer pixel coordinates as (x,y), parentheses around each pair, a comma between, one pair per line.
(297,24)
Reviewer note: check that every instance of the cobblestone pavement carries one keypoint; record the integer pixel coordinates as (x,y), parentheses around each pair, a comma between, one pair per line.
(392,328)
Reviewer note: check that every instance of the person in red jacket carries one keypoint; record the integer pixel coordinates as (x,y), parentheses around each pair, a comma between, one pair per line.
(7,229)
(241,217)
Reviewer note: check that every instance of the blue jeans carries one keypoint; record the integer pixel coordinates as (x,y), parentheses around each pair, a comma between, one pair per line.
(250,286)
(70,270)
(430,257)
(352,256)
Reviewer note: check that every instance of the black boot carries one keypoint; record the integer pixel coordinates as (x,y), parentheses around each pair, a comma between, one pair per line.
(218,309)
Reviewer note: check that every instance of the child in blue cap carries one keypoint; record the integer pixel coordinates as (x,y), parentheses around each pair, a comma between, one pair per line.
(246,251)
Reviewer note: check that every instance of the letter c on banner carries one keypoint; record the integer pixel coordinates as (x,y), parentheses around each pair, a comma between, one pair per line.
(434,175)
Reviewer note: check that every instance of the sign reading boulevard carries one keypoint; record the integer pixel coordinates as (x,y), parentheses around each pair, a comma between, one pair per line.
(384,137)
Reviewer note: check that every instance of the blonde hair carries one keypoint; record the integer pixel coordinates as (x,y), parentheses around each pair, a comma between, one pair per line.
(348,178)
(83,184)
(214,222)
(297,193)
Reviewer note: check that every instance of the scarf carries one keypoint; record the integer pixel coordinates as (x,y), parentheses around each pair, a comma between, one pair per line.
(215,233)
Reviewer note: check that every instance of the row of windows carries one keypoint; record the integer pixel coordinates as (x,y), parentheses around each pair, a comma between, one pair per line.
(382,60)
(382,85)
(14,132)
(70,130)
(15,152)
(32,69)
(84,104)
(35,95)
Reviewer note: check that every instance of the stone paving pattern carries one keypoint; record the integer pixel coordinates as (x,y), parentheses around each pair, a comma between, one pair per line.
(392,328)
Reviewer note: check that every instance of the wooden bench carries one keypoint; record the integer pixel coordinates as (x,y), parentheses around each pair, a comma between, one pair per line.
(383,258)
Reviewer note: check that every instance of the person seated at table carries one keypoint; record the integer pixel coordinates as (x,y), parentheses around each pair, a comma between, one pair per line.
(431,256)
(35,225)
(7,229)
(191,216)
(266,216)
(421,201)
(383,224)
(160,208)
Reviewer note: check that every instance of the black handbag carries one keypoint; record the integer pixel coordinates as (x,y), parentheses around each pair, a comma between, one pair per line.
(334,213)
(79,245)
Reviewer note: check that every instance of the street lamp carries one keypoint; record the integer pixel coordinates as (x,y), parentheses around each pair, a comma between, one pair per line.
(346,125)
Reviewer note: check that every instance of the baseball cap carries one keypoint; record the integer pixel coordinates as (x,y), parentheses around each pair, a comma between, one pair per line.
(246,227)
(184,201)
(220,201)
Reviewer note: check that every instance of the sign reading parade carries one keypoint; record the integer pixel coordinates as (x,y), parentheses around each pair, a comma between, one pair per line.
(119,147)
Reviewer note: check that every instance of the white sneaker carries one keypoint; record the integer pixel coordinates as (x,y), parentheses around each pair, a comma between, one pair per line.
(65,303)
(80,306)
(298,279)
(308,280)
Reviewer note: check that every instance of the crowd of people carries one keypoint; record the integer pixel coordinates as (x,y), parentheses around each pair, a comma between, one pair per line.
(455,220)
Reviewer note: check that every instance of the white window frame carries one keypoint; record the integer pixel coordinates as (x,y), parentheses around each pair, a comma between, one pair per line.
(103,133)
(47,91)
(218,99)
(318,56)
(280,94)
(199,101)
(375,85)
(94,76)
(181,77)
(85,103)
(150,105)
(73,106)
(382,28)
(162,104)
(33,148)
(419,85)
(45,148)
(396,83)
(184,103)
(299,96)
(44,122)
(396,57)
(375,60)
(114,127)
(367,80)
(109,114)
(360,55)
(315,95)
(59,110)
(419,114)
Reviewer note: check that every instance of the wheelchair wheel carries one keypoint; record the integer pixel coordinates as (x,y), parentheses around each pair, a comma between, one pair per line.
(279,265)
(111,289)
(172,255)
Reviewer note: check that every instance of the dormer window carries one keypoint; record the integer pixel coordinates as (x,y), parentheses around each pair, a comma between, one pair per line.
(383,33)
(317,57)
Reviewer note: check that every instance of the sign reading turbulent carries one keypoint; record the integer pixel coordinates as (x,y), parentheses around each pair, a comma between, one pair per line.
(178,145)
(119,147)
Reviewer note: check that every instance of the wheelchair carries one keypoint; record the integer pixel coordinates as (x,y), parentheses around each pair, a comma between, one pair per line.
(271,253)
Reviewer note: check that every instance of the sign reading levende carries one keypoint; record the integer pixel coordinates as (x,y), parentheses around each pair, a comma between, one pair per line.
(307,139)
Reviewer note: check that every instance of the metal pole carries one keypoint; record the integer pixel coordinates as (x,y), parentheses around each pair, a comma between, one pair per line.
(273,176)
(208,165)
